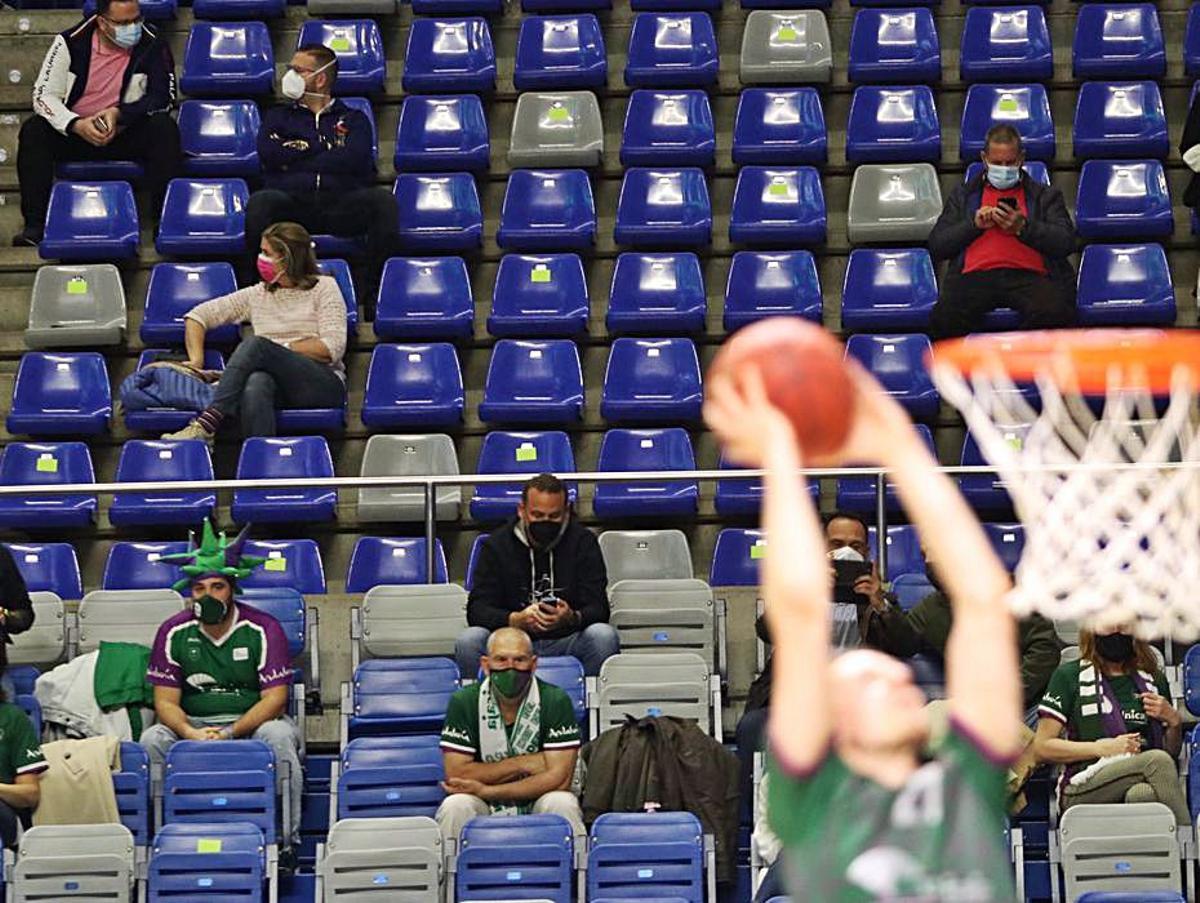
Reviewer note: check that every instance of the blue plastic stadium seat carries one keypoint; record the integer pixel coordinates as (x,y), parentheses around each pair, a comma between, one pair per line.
(986,493)
(472,558)
(560,53)
(291,564)
(656,294)
(174,289)
(1125,285)
(894,46)
(48,567)
(1008,540)
(1005,44)
(889,125)
(219,137)
(668,128)
(138,565)
(340,271)
(42,463)
(1035,169)
(1123,199)
(442,133)
(898,362)
(228,59)
(779,126)
(425,298)
(547,210)
(91,221)
(297,421)
(401,696)
(774,207)
(131,787)
(177,871)
(736,496)
(145,461)
(660,208)
(438,212)
(539,295)
(269,458)
(652,381)
(203,218)
(645,450)
(415,386)
(1125,119)
(363,105)
(1025,107)
(1191,42)
(391,777)
(535,853)
(164,419)
(765,284)
(60,394)
(671,50)
(533,382)
(100,170)
(888,290)
(523,453)
(392,562)
(857,494)
(448,56)
(229,781)
(1118,41)
(736,557)
(903,550)
(358,44)
(1145,896)
(636,854)
(238,9)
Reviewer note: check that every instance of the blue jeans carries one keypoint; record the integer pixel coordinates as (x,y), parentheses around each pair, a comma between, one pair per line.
(591,646)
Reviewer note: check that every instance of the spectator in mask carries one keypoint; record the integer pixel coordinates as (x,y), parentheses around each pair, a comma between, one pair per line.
(1107,719)
(542,573)
(1008,239)
(509,743)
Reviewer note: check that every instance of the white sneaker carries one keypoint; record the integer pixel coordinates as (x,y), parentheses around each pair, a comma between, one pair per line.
(192,431)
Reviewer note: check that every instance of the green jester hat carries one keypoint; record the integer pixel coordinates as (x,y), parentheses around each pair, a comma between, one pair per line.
(215,556)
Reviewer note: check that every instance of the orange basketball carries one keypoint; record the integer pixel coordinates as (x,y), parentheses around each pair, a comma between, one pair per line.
(805,378)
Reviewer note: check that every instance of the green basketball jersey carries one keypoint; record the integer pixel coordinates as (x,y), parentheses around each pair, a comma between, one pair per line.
(938,839)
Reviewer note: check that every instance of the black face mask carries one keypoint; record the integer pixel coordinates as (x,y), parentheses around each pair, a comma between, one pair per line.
(1115,647)
(544,534)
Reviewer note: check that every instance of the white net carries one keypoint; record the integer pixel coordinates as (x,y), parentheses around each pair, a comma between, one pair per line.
(1110,502)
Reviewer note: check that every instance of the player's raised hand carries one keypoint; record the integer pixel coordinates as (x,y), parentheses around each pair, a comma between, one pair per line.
(738,411)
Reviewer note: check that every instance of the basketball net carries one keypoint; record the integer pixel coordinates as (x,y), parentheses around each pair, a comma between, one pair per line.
(1110,503)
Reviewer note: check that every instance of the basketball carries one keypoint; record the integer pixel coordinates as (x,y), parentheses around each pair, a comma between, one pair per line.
(805,378)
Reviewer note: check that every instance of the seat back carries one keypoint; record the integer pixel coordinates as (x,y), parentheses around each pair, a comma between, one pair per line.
(286,606)
(131,786)
(358,45)
(74,862)
(219,138)
(893,124)
(79,305)
(547,210)
(779,126)
(652,381)
(641,684)
(428,454)
(763,284)
(903,549)
(449,56)
(293,564)
(560,128)
(91,221)
(175,288)
(736,557)
(400,858)
(425,298)
(893,202)
(124,616)
(566,673)
(45,643)
(892,289)
(1119,846)
(664,615)
(663,127)
(203,217)
(539,294)
(1025,107)
(518,453)
(439,133)
(376,561)
(645,555)
(1008,542)
(137,565)
(60,393)
(560,52)
(786,47)
(516,857)
(226,861)
(533,381)
(667,449)
(225,781)
(48,567)
(228,60)
(385,777)
(671,50)
(414,385)
(414,620)
(438,211)
(660,208)
(633,854)
(894,45)
(397,696)
(656,294)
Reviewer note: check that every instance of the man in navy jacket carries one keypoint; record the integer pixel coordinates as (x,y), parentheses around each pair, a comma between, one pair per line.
(104,92)
(318,161)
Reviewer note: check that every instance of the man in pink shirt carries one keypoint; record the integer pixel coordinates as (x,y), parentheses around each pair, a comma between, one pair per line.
(104,92)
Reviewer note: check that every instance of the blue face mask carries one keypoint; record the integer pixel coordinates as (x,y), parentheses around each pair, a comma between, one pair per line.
(127,36)
(1003,177)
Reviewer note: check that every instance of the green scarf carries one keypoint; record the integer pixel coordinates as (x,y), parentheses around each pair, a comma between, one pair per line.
(495,742)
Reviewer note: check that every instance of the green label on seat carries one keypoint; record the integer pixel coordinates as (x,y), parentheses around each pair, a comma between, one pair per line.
(208,845)
(778,188)
(47,464)
(340,45)
(560,114)
(1007,104)
(275,564)
(788,33)
(77,285)
(758,550)
(526,452)
(540,273)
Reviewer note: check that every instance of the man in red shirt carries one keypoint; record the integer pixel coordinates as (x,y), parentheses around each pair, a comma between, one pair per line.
(1008,239)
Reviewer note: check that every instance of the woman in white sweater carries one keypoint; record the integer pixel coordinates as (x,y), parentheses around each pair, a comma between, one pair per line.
(294,359)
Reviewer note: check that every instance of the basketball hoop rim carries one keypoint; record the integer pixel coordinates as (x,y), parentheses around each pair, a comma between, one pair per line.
(1082,360)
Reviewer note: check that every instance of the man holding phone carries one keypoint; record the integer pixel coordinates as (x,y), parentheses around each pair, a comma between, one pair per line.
(542,572)
(1008,238)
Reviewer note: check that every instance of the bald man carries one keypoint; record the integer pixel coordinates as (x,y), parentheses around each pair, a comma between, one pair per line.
(509,743)
(862,814)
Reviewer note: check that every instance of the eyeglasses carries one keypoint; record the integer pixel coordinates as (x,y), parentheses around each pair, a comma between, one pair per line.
(116,24)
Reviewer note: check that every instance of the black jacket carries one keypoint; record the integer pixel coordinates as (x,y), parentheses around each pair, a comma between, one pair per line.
(1189,141)
(507,567)
(327,151)
(1049,228)
(15,599)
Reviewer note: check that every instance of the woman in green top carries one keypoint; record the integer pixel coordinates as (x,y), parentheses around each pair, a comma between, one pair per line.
(1122,733)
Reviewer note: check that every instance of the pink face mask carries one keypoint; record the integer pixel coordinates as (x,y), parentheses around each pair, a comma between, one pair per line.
(268,269)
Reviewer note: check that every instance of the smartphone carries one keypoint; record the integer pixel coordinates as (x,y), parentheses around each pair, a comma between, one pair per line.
(101,124)
(1010,203)
(847,574)
(548,607)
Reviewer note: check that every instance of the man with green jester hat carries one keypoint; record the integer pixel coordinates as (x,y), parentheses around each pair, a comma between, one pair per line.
(220,669)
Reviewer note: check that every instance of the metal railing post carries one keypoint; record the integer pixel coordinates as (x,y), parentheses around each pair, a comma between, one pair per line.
(881,523)
(430,523)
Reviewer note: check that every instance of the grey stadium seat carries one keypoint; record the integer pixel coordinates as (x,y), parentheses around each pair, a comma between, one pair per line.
(45,643)
(645,554)
(661,616)
(556,129)
(667,683)
(786,47)
(69,862)
(1130,847)
(366,860)
(414,620)
(416,455)
(893,202)
(127,615)
(78,306)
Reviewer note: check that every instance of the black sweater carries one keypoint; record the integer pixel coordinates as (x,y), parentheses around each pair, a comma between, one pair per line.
(507,567)
(15,598)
